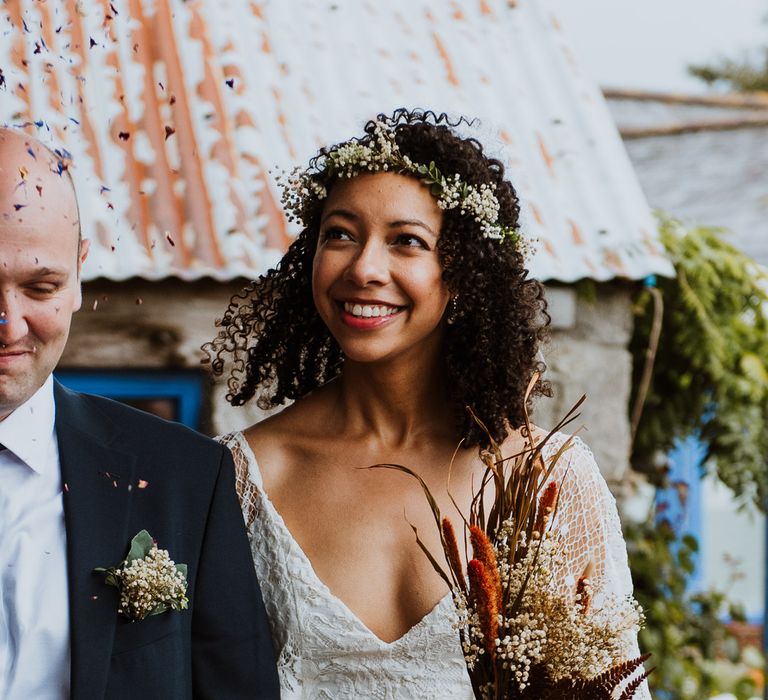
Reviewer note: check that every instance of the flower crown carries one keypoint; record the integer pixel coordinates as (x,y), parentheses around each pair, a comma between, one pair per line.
(302,187)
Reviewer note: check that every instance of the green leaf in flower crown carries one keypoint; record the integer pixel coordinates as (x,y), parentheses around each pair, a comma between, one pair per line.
(435,189)
(141,544)
(182,569)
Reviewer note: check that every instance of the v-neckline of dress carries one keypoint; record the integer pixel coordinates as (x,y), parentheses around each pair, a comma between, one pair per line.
(254,475)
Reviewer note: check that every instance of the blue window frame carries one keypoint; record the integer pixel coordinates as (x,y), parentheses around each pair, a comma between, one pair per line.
(176,394)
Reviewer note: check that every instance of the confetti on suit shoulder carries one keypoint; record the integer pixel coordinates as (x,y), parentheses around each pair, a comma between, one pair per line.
(143,483)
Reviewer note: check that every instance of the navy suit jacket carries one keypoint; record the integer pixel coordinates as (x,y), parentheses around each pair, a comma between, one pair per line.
(220,647)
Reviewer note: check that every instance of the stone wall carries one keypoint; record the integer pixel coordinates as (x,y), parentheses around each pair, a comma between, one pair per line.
(153,325)
(588,354)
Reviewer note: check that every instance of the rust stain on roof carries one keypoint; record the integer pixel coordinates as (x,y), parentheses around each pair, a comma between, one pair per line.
(546,155)
(175,111)
(485,8)
(450,73)
(576,234)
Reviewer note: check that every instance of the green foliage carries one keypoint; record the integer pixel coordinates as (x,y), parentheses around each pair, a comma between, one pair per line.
(710,376)
(741,76)
(694,654)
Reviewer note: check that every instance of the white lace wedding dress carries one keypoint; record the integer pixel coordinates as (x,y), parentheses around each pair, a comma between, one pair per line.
(324,652)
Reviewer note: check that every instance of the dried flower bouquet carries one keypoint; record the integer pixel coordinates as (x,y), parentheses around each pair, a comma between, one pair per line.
(523,637)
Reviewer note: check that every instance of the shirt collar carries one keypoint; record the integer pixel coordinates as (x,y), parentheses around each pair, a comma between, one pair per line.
(29,431)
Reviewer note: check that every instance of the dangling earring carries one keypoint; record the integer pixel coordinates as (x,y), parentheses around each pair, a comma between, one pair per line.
(453,310)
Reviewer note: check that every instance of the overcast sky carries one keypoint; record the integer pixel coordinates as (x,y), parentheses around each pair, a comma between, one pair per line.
(648,43)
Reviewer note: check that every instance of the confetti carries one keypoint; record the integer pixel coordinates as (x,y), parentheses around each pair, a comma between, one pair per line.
(143,484)
(169,131)
(169,239)
(112,7)
(19,206)
(39,189)
(92,42)
(173,100)
(139,301)
(124,136)
(95,304)
(230,82)
(2,79)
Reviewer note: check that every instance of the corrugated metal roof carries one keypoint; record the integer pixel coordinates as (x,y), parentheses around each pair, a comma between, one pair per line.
(706,178)
(175,111)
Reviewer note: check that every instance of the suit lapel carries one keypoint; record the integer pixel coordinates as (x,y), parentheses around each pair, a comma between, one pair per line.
(96,479)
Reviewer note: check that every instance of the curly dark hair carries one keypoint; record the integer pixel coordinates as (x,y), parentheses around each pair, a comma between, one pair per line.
(280,347)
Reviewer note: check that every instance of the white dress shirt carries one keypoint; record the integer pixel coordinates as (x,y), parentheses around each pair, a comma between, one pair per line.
(34,605)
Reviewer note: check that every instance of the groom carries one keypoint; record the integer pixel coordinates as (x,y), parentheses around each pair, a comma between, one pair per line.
(80,476)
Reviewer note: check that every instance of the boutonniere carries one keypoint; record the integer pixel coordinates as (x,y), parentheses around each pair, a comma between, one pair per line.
(148,580)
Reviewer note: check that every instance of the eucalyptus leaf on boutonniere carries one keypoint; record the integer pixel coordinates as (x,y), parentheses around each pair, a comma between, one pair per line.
(148,580)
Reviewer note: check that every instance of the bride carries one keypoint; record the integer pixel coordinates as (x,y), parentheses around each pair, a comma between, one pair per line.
(404,299)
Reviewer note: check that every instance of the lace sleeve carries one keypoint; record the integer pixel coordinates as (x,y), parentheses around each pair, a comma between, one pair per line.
(244,479)
(588,522)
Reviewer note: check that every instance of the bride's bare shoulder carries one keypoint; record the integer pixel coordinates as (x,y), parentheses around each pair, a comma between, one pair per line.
(284,437)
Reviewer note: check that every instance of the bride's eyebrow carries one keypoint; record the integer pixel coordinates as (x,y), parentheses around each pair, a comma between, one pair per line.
(344,213)
(412,222)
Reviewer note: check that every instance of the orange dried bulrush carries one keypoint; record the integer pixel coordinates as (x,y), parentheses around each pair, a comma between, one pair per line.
(483,551)
(583,597)
(583,586)
(452,552)
(482,595)
(546,507)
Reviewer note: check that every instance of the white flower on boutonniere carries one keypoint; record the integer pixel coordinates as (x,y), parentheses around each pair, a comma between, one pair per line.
(148,580)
